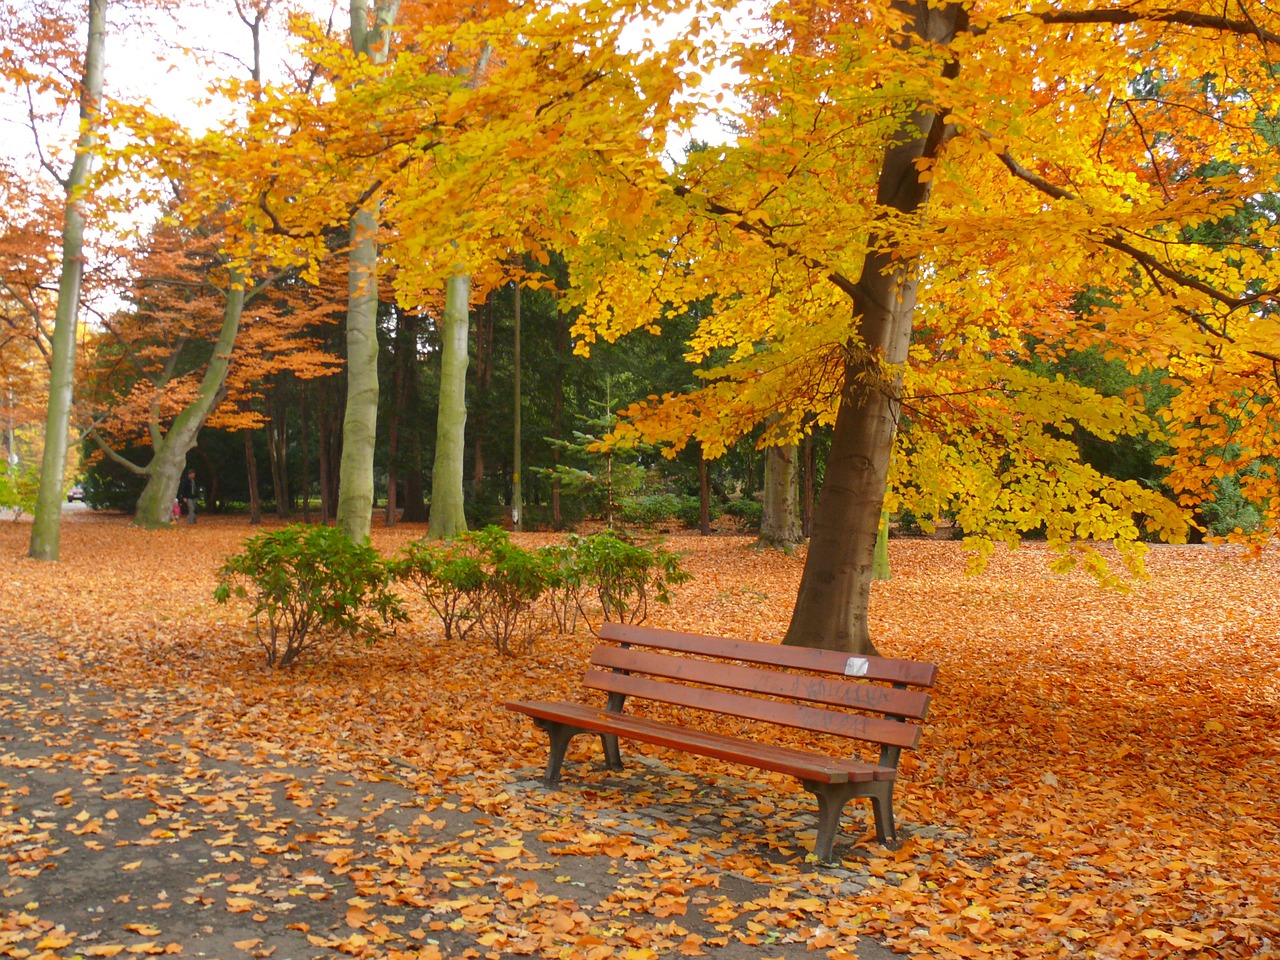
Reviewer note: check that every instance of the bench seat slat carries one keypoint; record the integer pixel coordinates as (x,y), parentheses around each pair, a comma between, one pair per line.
(785,760)
(871,729)
(911,672)
(834,691)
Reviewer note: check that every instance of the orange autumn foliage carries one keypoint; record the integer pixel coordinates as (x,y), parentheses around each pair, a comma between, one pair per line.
(1098,775)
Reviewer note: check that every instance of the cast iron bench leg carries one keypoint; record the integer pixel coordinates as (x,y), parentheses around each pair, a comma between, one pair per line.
(559,734)
(832,798)
(612,755)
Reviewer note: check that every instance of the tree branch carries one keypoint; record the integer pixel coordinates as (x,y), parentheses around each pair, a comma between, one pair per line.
(1184,18)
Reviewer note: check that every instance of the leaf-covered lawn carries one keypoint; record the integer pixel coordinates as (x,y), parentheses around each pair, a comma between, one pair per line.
(1099,775)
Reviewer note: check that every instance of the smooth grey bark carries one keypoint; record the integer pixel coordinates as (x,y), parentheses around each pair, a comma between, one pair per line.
(47,520)
(832,605)
(780,527)
(359,426)
(447,518)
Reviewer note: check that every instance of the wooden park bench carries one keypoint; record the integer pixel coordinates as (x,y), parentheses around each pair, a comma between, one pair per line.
(817,691)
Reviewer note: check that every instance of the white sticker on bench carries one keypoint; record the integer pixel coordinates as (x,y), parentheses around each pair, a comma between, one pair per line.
(856,667)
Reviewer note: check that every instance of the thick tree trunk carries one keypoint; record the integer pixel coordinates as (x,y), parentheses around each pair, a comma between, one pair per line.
(46,522)
(447,516)
(360,425)
(780,519)
(835,589)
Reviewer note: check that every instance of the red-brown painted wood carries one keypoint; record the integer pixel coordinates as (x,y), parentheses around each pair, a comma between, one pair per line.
(838,723)
(910,672)
(835,691)
(795,763)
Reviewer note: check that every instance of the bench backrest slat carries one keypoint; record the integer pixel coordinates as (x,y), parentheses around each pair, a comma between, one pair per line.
(855,726)
(911,672)
(835,691)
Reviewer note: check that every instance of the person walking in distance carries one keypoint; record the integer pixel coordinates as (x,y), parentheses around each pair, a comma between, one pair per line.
(187,493)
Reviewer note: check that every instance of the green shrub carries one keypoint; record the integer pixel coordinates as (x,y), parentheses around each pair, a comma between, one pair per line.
(479,578)
(450,574)
(647,511)
(1230,509)
(749,511)
(621,577)
(563,583)
(309,587)
(517,579)
(689,511)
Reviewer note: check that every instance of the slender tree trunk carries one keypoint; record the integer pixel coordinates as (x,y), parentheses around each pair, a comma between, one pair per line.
(304,392)
(704,496)
(447,517)
(46,523)
(277,450)
(415,499)
(835,588)
(325,455)
(482,377)
(213,481)
(557,415)
(251,467)
(780,519)
(394,414)
(808,462)
(517,495)
(155,505)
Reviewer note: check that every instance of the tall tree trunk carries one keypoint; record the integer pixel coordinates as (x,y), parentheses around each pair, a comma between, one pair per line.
(395,413)
(704,496)
(325,456)
(780,519)
(482,377)
(278,449)
(304,392)
(251,467)
(360,423)
(447,517)
(415,499)
(517,495)
(835,589)
(808,463)
(46,523)
(557,414)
